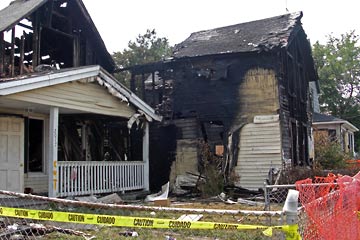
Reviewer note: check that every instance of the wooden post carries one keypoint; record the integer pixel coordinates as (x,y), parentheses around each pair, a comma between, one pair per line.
(143,87)
(146,156)
(12,55)
(21,61)
(36,40)
(153,88)
(132,82)
(76,50)
(2,54)
(53,153)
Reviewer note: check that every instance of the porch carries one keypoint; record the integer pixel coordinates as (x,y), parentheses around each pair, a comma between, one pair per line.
(77,132)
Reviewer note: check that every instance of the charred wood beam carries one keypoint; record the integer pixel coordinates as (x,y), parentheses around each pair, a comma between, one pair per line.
(150,67)
(56,13)
(76,51)
(12,55)
(2,53)
(132,82)
(299,64)
(25,26)
(153,87)
(36,40)
(163,88)
(61,32)
(290,55)
(49,13)
(21,61)
(143,86)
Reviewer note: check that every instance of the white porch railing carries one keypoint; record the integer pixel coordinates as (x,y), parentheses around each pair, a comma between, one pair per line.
(84,178)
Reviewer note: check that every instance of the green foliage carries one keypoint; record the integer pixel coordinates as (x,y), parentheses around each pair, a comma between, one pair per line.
(338,66)
(328,154)
(146,48)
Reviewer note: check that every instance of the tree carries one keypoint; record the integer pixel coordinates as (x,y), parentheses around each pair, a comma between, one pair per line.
(338,66)
(146,48)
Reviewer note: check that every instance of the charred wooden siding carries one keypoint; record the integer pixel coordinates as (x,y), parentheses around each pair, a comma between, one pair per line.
(295,103)
(212,89)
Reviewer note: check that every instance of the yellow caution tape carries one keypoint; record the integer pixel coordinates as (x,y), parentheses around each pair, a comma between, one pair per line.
(124,221)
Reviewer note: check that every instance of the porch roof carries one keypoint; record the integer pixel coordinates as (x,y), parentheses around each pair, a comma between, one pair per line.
(323,119)
(88,73)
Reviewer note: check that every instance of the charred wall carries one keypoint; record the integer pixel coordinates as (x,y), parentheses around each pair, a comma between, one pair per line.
(209,89)
(294,77)
(211,99)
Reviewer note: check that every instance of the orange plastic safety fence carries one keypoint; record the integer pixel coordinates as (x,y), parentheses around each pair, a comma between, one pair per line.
(331,211)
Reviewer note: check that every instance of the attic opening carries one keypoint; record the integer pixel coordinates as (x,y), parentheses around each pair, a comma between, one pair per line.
(56,35)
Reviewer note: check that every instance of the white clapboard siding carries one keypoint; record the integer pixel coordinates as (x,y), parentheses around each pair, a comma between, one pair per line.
(259,150)
(87,97)
(38,182)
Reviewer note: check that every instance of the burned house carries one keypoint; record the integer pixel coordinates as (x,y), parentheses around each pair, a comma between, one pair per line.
(67,127)
(242,90)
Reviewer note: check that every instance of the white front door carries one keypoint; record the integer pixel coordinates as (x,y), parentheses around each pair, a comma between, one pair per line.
(12,154)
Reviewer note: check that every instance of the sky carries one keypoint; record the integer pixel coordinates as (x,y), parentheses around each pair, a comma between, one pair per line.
(120,21)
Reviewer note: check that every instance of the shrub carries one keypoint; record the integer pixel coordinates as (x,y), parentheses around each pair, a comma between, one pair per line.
(328,153)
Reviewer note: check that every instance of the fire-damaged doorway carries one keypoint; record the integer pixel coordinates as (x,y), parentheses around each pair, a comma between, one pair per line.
(34,145)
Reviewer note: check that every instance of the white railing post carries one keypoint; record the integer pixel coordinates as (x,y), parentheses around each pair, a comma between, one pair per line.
(146,156)
(53,156)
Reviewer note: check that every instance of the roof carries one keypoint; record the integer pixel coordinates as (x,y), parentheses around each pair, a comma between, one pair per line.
(16,11)
(319,117)
(254,36)
(50,78)
(20,9)
(322,119)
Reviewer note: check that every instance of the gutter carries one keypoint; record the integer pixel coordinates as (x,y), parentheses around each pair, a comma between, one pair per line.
(346,123)
(30,83)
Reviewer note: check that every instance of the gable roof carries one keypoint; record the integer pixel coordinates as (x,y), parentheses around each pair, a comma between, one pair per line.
(16,11)
(92,73)
(20,9)
(322,119)
(264,34)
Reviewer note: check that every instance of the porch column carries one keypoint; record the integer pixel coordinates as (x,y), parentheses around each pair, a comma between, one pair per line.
(146,155)
(53,151)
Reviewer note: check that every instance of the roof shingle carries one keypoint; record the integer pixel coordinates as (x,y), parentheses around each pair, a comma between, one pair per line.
(264,34)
